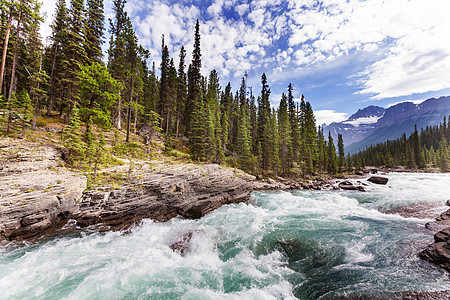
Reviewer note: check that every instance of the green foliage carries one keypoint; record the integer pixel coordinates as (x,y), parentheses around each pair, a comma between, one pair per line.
(332,157)
(72,138)
(99,91)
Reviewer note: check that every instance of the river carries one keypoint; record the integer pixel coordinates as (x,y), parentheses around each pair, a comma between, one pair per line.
(284,245)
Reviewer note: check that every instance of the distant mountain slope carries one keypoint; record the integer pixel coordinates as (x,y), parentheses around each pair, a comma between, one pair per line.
(375,124)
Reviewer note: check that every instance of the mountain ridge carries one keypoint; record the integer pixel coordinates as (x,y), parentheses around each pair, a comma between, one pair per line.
(374,124)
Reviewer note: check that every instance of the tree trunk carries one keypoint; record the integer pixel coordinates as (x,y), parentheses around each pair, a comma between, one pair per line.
(129,112)
(51,99)
(135,121)
(5,49)
(178,125)
(36,105)
(13,71)
(167,123)
(119,112)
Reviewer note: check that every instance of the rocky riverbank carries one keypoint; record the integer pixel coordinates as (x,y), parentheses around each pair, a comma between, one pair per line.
(438,253)
(38,195)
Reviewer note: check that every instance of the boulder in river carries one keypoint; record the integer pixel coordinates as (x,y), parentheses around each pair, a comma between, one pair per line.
(378,179)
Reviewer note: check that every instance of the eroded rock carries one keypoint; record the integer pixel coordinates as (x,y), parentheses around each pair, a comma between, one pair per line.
(378,179)
(37,195)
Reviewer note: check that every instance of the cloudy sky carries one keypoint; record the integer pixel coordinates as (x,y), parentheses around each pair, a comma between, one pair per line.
(342,55)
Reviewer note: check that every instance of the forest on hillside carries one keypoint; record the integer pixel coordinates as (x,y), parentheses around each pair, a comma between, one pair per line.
(428,149)
(70,80)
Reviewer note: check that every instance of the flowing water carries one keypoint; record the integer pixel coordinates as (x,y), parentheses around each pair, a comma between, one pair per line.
(285,245)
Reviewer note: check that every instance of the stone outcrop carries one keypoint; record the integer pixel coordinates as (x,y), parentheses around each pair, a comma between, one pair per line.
(36,194)
(378,179)
(438,253)
(188,190)
(347,185)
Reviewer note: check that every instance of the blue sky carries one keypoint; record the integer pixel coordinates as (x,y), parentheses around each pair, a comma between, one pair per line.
(341,54)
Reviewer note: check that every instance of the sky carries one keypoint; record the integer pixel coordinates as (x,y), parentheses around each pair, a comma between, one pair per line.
(342,55)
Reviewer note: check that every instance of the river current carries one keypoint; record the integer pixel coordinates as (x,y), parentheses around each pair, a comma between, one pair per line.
(284,245)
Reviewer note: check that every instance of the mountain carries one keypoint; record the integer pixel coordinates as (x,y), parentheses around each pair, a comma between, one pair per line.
(375,124)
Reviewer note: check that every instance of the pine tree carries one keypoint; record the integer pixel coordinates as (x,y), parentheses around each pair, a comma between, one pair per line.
(99,92)
(284,128)
(212,99)
(74,54)
(58,38)
(322,151)
(6,6)
(117,58)
(418,151)
(165,104)
(198,132)
(94,31)
(194,80)
(294,121)
(25,101)
(341,153)
(264,112)
(181,89)
(308,136)
(332,157)
(72,137)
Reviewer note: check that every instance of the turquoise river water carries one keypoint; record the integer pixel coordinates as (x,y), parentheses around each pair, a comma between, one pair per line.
(284,245)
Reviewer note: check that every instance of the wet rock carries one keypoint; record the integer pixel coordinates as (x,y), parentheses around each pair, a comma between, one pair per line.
(438,254)
(348,185)
(187,190)
(182,245)
(39,196)
(442,236)
(360,173)
(435,226)
(444,216)
(425,210)
(378,179)
(448,202)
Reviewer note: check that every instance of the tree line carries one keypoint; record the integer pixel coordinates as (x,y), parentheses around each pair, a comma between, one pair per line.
(68,78)
(428,149)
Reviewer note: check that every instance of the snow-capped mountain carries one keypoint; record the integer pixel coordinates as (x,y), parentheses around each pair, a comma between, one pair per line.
(375,124)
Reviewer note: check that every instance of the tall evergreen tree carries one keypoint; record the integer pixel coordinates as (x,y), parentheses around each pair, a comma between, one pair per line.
(332,157)
(418,152)
(181,89)
(165,104)
(264,113)
(74,54)
(58,39)
(194,79)
(94,31)
(284,128)
(341,153)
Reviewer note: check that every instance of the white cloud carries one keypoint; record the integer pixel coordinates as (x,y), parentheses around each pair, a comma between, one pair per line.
(407,40)
(241,9)
(329,116)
